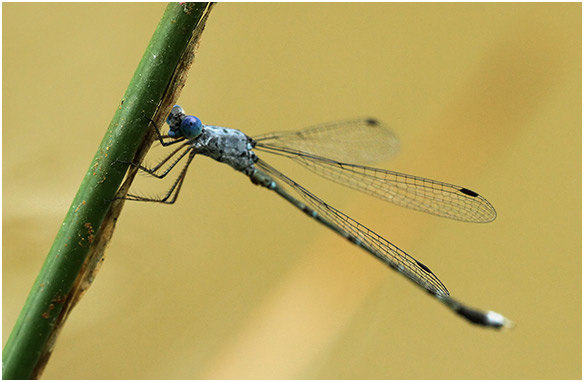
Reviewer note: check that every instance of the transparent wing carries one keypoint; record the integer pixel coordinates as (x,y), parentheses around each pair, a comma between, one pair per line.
(362,140)
(364,237)
(431,196)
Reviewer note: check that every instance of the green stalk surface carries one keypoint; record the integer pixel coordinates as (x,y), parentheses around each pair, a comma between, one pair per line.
(71,262)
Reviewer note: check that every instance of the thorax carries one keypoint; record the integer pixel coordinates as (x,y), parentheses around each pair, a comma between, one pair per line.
(226,145)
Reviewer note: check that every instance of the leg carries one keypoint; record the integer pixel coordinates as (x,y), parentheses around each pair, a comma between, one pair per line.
(172,194)
(153,171)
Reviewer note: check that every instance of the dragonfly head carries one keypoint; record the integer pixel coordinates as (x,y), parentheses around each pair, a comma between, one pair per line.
(182,125)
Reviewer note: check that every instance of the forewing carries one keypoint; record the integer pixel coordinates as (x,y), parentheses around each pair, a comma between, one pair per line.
(431,196)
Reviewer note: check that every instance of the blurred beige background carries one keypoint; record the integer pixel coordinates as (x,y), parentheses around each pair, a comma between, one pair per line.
(232,282)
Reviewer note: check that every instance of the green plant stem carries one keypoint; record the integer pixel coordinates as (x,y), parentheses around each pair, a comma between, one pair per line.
(69,263)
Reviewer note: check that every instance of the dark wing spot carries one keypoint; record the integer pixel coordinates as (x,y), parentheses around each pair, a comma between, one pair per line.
(372,122)
(468,192)
(424,267)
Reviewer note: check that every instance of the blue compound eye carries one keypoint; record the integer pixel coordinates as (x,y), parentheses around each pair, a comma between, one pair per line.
(191,127)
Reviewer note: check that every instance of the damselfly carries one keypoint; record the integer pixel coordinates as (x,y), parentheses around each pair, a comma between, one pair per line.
(328,151)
